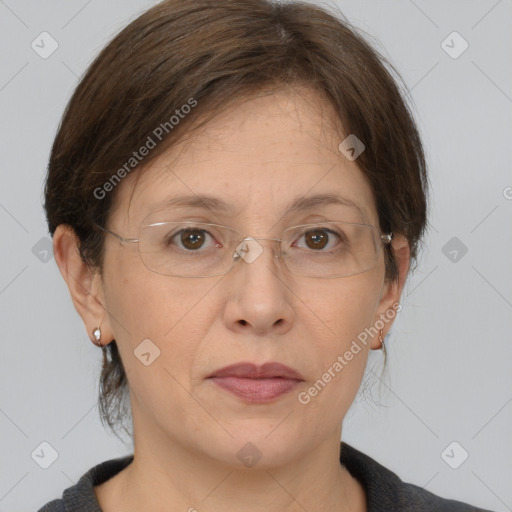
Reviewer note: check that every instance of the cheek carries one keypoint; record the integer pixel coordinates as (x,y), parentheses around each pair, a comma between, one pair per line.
(339,350)
(343,309)
(146,306)
(152,321)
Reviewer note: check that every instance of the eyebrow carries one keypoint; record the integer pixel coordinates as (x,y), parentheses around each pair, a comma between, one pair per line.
(299,204)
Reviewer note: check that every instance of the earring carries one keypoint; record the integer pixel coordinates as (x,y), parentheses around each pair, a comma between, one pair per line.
(381,339)
(97,335)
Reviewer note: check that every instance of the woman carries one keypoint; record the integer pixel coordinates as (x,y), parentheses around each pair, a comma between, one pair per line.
(236,194)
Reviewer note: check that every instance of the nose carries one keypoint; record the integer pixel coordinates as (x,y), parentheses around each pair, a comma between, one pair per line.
(260,300)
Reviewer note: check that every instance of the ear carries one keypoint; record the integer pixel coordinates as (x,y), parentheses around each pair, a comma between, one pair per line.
(392,290)
(85,285)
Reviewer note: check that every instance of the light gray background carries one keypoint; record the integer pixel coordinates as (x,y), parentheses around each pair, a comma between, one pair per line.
(450,351)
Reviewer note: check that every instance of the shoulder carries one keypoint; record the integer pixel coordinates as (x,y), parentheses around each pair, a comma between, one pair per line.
(81,497)
(386,491)
(53,506)
(425,500)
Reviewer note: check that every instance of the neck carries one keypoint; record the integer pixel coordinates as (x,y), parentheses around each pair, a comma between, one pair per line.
(189,481)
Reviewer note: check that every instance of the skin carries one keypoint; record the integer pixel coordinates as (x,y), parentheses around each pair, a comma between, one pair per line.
(259,155)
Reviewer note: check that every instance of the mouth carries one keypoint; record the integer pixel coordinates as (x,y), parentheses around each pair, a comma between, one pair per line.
(257,384)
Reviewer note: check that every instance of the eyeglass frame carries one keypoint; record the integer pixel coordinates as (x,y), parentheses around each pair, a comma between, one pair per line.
(385,238)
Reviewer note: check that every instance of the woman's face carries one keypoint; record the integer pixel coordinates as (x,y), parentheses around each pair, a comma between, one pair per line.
(258,157)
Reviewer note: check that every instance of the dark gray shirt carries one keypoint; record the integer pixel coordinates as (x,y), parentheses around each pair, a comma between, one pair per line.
(385,492)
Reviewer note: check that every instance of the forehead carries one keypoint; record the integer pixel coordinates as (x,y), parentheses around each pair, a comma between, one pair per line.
(266,158)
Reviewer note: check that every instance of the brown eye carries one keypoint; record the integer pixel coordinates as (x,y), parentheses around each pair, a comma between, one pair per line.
(320,238)
(192,238)
(316,239)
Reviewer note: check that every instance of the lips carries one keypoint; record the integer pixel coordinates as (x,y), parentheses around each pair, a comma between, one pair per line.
(257,384)
(252,371)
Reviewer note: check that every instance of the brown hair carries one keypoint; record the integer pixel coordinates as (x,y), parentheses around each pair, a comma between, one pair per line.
(214,52)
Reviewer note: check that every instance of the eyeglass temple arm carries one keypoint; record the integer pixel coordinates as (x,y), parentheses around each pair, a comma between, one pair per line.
(119,237)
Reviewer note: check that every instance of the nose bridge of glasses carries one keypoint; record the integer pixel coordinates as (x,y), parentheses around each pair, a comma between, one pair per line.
(250,248)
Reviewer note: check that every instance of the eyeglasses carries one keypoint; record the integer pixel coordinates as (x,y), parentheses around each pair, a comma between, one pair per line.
(195,249)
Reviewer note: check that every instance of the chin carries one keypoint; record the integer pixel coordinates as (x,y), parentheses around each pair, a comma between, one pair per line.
(256,443)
